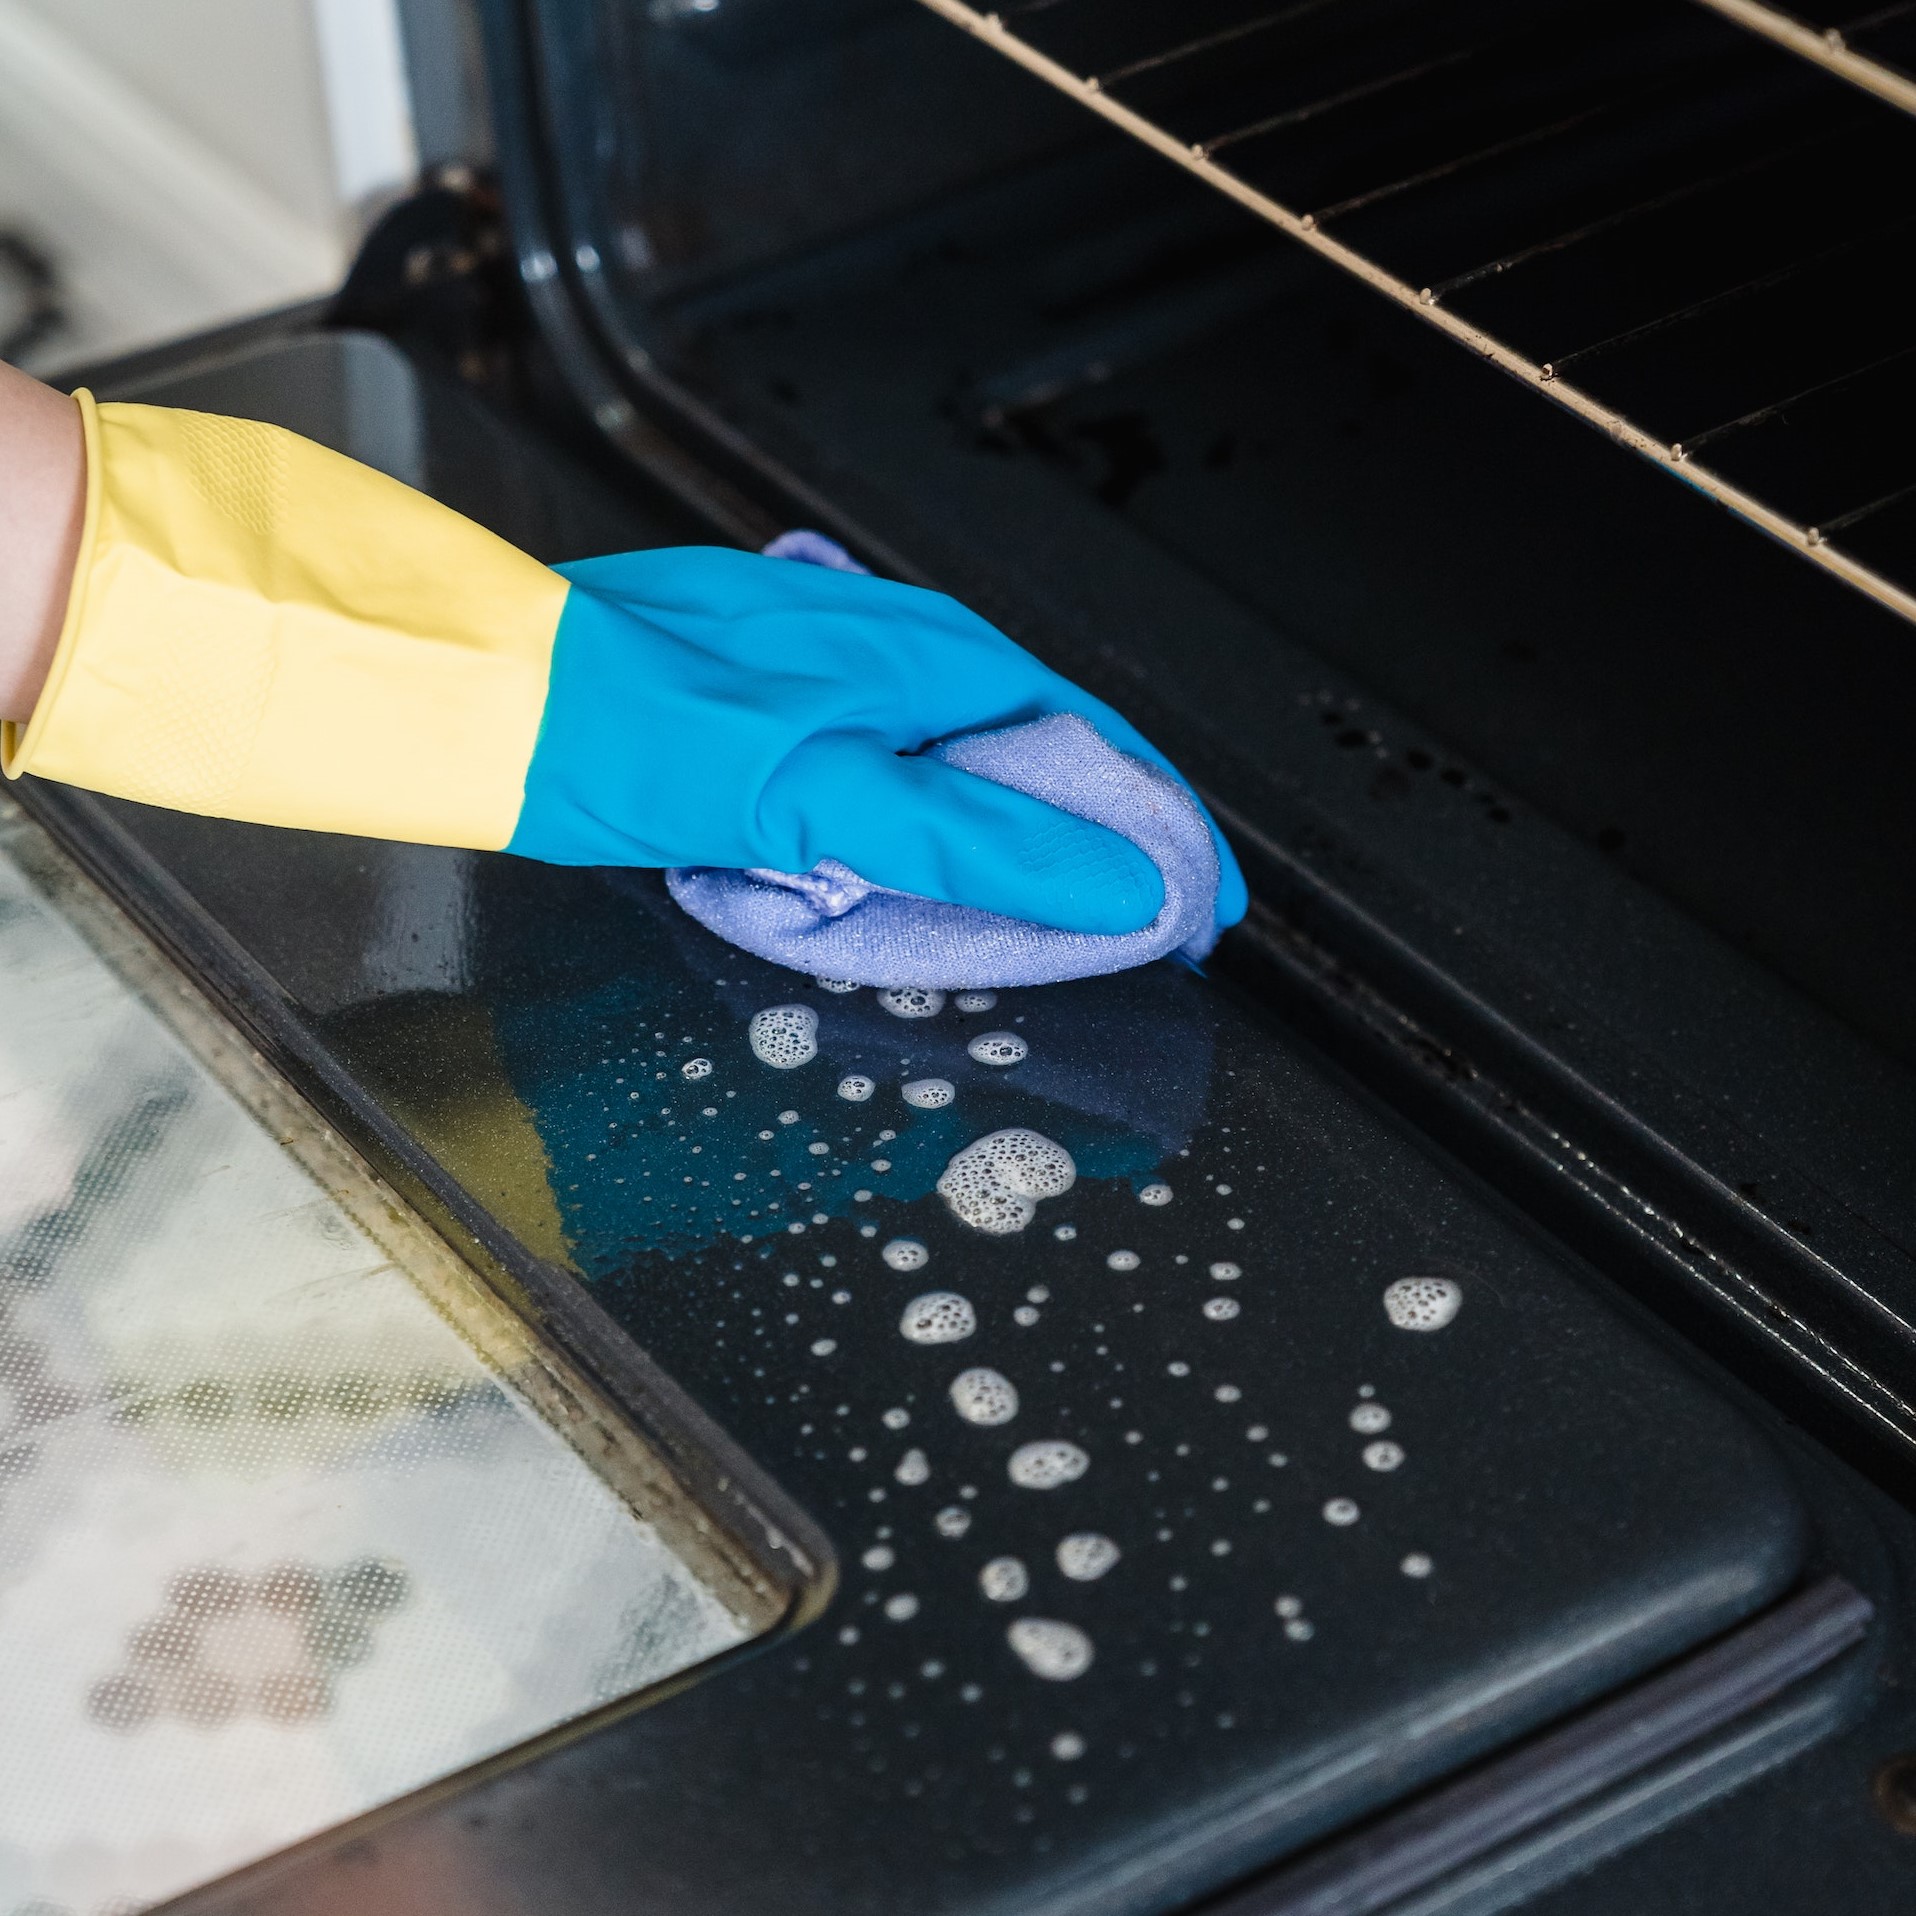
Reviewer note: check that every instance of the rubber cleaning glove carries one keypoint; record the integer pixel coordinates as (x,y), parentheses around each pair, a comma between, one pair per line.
(261,629)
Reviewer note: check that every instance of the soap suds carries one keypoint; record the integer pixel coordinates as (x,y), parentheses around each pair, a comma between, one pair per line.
(984,1396)
(856,1088)
(1423,1303)
(784,1036)
(975,1001)
(995,1184)
(1155,1194)
(928,1094)
(939,1317)
(998,1048)
(1047,1464)
(912,1001)
(1004,1580)
(696,1068)
(1086,1555)
(905,1254)
(1050,1649)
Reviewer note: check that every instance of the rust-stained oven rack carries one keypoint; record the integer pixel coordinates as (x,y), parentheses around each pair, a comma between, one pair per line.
(1671,226)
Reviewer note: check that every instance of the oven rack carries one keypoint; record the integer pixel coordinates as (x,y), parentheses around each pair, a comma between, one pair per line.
(1667,225)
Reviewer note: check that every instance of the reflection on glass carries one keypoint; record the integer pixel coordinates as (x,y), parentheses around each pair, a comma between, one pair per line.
(277,1543)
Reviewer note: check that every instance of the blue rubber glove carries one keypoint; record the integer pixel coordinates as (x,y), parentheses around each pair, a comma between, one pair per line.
(712,707)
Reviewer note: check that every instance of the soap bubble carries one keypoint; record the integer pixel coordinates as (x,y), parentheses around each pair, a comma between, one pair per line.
(1369,1419)
(1340,1511)
(840,985)
(999,1048)
(984,1396)
(1220,1310)
(995,1183)
(928,1094)
(1225,1273)
(912,1001)
(784,1036)
(1050,1649)
(914,1467)
(856,1088)
(905,1254)
(1086,1555)
(1004,1580)
(696,1068)
(975,1001)
(1155,1194)
(1383,1455)
(1047,1464)
(939,1317)
(1423,1303)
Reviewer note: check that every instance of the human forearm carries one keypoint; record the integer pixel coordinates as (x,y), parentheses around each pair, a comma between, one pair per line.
(42,503)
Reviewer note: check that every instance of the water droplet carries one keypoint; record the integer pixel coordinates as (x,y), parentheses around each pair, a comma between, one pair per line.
(912,1001)
(1423,1303)
(1416,1565)
(784,1036)
(901,1608)
(928,1094)
(856,1088)
(1086,1555)
(914,1467)
(1047,1464)
(995,1183)
(1340,1511)
(998,1048)
(1155,1194)
(905,1254)
(952,1521)
(824,1347)
(879,1557)
(984,1396)
(975,1001)
(939,1317)
(1369,1419)
(1225,1273)
(840,985)
(1220,1310)
(1004,1580)
(696,1068)
(1055,1651)
(1384,1455)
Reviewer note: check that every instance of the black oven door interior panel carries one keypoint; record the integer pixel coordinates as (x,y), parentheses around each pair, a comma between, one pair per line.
(1264,1590)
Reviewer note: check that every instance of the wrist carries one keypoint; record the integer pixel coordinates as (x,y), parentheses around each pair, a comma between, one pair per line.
(42,509)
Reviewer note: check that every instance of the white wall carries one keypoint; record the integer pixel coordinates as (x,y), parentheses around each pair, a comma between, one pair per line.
(189,161)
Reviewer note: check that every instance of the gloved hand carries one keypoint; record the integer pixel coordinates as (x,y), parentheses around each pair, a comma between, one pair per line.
(261,629)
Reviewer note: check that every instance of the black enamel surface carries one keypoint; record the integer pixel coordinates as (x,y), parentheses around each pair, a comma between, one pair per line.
(1588,1508)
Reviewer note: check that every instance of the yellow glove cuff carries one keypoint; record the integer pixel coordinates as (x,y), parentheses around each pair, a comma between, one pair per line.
(259,628)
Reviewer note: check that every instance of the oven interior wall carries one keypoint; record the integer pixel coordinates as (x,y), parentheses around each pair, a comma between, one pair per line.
(1016,315)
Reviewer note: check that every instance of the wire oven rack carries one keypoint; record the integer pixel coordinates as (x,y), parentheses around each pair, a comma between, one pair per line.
(1665,223)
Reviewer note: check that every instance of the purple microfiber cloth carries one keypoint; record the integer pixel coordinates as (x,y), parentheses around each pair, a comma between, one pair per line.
(832,923)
